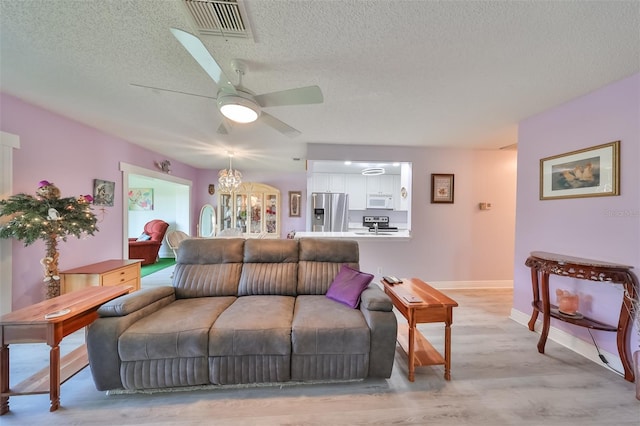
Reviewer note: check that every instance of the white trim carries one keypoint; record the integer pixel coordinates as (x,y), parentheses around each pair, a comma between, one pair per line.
(127,169)
(571,342)
(8,142)
(471,284)
(137,170)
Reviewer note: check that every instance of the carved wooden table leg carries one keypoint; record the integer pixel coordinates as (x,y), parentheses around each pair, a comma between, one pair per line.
(536,299)
(546,307)
(447,344)
(54,378)
(4,379)
(412,345)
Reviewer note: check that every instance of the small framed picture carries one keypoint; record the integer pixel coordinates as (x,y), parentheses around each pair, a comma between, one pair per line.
(589,172)
(103,192)
(441,188)
(295,200)
(140,198)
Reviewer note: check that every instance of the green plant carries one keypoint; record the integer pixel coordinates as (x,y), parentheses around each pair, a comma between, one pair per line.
(49,218)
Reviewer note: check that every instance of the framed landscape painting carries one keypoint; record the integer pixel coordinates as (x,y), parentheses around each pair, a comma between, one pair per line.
(589,172)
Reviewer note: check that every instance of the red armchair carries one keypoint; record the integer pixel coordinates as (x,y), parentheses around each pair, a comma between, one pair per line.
(148,249)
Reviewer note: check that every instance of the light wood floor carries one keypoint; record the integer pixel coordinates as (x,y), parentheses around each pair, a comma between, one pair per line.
(498,378)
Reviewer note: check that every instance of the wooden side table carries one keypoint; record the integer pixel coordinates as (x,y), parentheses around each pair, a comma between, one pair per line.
(420,303)
(543,264)
(29,325)
(106,273)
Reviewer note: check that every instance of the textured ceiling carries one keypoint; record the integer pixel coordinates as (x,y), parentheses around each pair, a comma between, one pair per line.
(412,73)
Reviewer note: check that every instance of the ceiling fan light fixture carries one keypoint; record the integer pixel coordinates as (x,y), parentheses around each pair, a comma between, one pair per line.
(238,109)
(373,171)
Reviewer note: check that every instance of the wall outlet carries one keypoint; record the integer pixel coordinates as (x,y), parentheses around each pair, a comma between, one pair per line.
(379,270)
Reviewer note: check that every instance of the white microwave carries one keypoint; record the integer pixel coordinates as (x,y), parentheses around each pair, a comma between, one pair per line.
(380,201)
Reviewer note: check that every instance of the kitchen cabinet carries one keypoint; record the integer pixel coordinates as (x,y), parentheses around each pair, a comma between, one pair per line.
(328,182)
(382,184)
(102,274)
(356,187)
(254,208)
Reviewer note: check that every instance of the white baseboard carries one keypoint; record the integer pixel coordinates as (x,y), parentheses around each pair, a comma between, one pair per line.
(441,285)
(569,341)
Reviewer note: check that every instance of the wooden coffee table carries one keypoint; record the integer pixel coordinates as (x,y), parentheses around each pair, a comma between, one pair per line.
(29,325)
(420,303)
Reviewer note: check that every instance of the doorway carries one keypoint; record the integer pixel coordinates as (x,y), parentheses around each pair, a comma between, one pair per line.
(171,202)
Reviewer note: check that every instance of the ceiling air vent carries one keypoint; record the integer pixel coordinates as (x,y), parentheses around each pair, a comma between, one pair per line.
(225,18)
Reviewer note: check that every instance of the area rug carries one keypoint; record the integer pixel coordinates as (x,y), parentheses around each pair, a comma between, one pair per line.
(226,387)
(162,263)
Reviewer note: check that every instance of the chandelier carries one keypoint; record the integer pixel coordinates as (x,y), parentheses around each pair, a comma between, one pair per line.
(230,179)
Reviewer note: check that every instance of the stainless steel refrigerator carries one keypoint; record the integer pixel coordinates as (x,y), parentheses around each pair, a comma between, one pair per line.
(329,212)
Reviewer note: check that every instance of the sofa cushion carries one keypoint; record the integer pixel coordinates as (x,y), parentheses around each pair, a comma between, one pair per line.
(208,267)
(348,285)
(253,325)
(322,326)
(180,329)
(270,267)
(320,262)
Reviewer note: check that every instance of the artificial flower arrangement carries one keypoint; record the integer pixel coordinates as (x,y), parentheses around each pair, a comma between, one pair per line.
(49,218)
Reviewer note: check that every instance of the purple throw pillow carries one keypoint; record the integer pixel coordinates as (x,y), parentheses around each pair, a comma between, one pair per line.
(348,285)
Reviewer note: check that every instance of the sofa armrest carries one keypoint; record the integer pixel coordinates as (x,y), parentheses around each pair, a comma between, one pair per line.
(129,303)
(114,318)
(377,310)
(374,299)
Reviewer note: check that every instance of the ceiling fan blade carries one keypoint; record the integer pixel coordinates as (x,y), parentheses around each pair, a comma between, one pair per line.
(172,91)
(196,48)
(280,126)
(299,96)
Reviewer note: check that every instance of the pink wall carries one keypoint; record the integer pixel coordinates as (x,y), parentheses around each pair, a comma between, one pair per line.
(451,242)
(605,228)
(71,155)
(285,182)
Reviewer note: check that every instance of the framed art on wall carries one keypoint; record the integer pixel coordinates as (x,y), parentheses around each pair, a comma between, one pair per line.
(103,192)
(589,172)
(441,188)
(140,198)
(295,198)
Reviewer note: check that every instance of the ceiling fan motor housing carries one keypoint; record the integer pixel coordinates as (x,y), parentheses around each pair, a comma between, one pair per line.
(239,107)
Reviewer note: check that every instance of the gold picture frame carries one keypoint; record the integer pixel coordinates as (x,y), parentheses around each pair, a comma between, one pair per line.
(589,172)
(295,203)
(442,188)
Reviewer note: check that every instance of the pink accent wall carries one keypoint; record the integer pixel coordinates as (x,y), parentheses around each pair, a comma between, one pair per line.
(70,155)
(604,228)
(285,182)
(451,242)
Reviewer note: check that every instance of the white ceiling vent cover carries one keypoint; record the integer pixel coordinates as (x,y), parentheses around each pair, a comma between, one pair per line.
(219,17)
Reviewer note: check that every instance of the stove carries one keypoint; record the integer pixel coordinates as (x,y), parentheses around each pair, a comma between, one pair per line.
(382,221)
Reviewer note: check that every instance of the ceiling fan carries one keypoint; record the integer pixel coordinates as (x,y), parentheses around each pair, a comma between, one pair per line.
(237,104)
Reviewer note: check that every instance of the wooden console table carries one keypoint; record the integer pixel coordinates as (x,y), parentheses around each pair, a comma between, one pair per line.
(419,303)
(543,264)
(29,325)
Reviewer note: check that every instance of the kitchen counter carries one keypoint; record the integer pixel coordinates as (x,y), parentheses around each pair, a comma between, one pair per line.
(360,236)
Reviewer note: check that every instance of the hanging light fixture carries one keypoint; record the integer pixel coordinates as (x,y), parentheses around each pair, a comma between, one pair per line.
(230,179)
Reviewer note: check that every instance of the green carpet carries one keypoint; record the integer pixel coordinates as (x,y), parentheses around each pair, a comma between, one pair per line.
(163,262)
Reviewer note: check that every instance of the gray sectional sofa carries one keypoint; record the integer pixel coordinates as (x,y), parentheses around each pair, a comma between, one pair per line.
(244,311)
